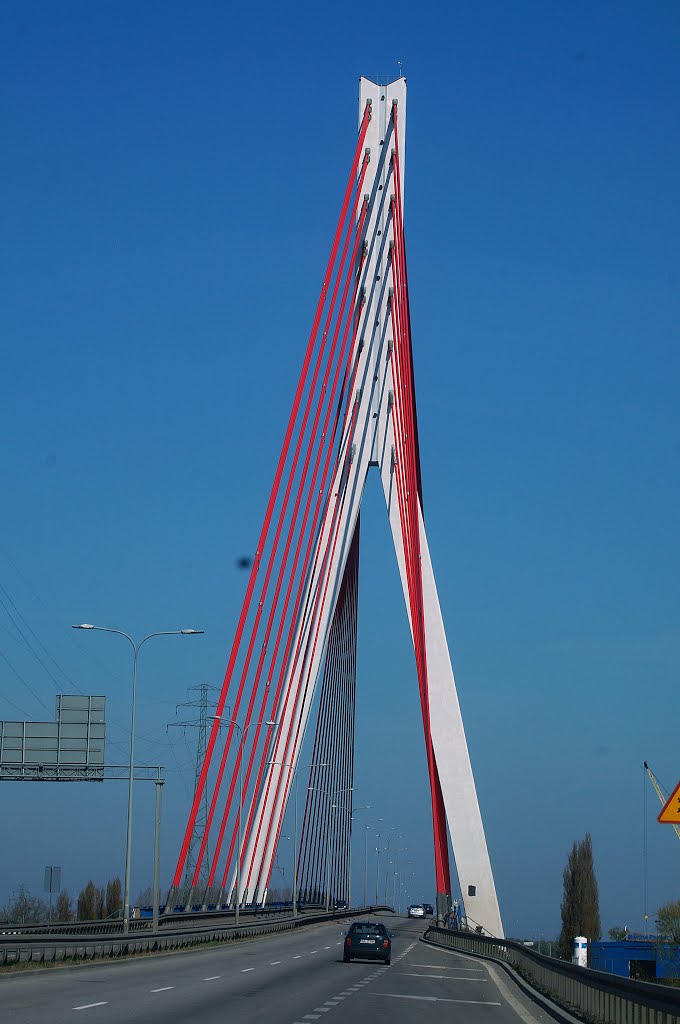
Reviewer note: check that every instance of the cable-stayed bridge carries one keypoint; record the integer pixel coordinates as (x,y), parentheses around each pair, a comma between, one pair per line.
(354,410)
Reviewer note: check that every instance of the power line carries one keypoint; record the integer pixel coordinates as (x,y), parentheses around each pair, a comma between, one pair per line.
(38,641)
(201,704)
(23,682)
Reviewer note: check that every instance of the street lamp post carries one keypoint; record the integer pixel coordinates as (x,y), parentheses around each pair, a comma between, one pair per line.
(367,825)
(338,792)
(364,807)
(402,849)
(302,767)
(391,828)
(387,862)
(243,732)
(135,649)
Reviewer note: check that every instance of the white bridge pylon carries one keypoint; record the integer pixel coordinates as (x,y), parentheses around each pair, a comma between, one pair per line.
(369,441)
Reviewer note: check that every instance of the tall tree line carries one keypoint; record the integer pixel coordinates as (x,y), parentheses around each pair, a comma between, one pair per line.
(581,901)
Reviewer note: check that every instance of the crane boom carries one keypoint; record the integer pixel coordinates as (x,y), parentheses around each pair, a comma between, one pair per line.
(663,797)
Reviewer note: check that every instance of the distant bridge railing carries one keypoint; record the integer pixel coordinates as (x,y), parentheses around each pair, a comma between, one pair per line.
(16,948)
(145,923)
(595,995)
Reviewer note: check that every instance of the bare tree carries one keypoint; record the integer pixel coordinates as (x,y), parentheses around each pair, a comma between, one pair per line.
(25,909)
(668,922)
(114,899)
(144,897)
(100,904)
(64,907)
(580,902)
(87,902)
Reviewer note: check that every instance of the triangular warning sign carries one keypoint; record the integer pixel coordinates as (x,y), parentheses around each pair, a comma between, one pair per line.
(670,813)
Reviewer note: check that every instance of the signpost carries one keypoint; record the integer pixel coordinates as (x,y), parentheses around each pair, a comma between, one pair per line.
(670,812)
(69,749)
(52,881)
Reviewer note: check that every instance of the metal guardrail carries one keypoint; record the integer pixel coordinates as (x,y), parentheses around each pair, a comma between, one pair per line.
(15,949)
(595,995)
(142,924)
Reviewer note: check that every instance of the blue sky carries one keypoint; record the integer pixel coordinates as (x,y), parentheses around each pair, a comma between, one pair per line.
(172,175)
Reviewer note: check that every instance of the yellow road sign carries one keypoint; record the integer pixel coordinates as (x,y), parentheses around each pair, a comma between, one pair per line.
(670,813)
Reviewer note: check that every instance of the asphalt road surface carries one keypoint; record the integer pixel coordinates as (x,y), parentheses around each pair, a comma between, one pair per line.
(294,978)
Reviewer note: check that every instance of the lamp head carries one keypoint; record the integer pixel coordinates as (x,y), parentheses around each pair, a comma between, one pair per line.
(83,625)
(191,632)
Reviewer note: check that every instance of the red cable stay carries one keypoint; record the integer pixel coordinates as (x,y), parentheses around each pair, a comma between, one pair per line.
(214,732)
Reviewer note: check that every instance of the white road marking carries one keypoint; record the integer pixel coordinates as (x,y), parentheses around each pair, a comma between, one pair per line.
(88,1006)
(298,956)
(440,977)
(435,999)
(273,963)
(246,969)
(443,967)
(330,947)
(516,1005)
(321,1009)
(311,1016)
(314,951)
(166,988)
(213,977)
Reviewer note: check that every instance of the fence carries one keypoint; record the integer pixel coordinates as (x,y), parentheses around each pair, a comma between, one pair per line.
(17,948)
(140,923)
(591,994)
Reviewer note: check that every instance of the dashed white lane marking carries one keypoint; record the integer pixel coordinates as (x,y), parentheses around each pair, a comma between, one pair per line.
(314,951)
(330,947)
(273,963)
(213,977)
(298,956)
(321,1009)
(434,999)
(311,1016)
(246,969)
(440,977)
(88,1006)
(166,988)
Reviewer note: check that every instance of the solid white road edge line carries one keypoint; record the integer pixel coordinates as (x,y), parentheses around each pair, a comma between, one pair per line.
(443,967)
(509,997)
(434,999)
(440,977)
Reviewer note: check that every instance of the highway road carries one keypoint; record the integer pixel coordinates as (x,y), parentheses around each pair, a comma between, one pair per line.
(291,978)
